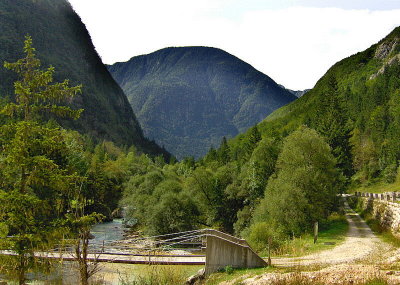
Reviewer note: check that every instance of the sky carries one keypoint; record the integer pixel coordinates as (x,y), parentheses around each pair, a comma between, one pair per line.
(293,41)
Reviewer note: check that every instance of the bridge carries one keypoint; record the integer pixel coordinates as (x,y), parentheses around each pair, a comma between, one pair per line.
(208,247)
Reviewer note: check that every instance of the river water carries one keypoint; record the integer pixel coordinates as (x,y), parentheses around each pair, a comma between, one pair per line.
(108,232)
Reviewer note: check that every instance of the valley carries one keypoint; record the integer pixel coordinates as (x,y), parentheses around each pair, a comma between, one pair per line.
(191,140)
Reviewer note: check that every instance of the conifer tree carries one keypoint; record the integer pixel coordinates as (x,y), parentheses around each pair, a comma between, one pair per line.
(333,125)
(35,174)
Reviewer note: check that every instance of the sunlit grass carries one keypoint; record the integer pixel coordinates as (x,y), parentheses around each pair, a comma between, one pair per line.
(147,274)
(221,276)
(379,187)
(331,233)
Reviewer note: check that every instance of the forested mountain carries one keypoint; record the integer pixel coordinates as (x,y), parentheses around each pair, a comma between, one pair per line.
(283,174)
(188,98)
(356,106)
(61,40)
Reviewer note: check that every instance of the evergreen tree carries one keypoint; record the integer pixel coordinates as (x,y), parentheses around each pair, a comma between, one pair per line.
(36,176)
(224,151)
(332,123)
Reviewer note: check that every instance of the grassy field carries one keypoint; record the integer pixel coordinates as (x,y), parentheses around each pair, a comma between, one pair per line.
(128,274)
(331,233)
(379,187)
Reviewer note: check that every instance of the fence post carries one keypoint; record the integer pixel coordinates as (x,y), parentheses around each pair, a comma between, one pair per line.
(315,232)
(269,250)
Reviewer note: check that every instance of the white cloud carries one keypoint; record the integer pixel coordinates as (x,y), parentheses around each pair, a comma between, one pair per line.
(295,46)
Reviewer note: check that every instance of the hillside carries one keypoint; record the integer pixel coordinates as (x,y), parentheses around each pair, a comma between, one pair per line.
(355,105)
(188,98)
(61,40)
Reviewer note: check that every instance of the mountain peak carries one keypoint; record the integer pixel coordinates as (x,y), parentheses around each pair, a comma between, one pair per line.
(188,98)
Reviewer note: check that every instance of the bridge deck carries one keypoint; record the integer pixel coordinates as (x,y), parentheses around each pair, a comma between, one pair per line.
(129,259)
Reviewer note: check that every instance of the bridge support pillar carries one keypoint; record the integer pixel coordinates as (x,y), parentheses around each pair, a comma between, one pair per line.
(221,252)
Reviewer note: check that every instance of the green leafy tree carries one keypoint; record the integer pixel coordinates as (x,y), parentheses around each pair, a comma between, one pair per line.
(306,184)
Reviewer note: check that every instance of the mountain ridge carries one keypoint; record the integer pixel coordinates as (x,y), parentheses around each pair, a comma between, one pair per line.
(62,40)
(214,92)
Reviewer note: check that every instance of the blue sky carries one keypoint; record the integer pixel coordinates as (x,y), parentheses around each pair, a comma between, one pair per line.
(292,41)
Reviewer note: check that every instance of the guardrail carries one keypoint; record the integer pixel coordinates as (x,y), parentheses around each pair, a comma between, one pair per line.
(387,196)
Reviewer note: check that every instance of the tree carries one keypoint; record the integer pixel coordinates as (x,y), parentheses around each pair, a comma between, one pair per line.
(224,151)
(34,166)
(175,212)
(78,224)
(304,189)
(252,140)
(332,123)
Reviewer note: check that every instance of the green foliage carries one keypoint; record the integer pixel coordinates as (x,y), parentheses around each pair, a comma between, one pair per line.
(330,121)
(305,187)
(279,177)
(158,275)
(174,213)
(228,269)
(257,234)
(355,107)
(36,175)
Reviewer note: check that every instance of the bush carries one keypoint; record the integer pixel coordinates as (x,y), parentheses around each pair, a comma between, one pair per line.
(257,236)
(228,269)
(389,173)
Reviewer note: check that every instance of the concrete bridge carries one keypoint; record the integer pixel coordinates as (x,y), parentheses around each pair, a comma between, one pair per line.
(221,250)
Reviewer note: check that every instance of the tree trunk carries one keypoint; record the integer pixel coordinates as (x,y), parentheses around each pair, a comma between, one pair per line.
(82,253)
(21,269)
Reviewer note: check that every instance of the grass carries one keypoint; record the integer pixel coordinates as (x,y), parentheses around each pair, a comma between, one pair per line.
(331,233)
(384,234)
(124,274)
(222,276)
(376,281)
(128,274)
(295,278)
(381,232)
(379,187)
(158,275)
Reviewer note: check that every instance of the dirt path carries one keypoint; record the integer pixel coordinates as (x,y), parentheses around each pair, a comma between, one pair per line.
(355,261)
(360,243)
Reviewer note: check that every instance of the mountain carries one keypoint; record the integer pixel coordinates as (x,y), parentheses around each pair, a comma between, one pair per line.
(188,98)
(61,40)
(356,107)
(297,93)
